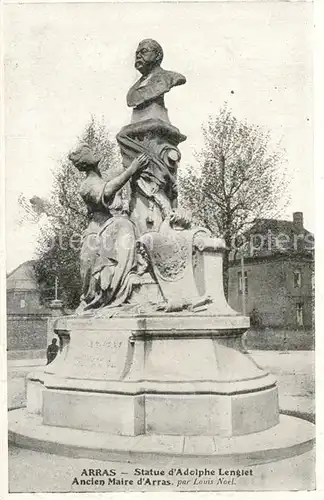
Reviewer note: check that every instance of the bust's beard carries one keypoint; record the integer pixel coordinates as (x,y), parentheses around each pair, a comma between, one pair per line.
(143,68)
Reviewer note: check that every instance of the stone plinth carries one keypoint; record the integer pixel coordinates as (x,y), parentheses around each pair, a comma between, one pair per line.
(176,374)
(152,111)
(154,128)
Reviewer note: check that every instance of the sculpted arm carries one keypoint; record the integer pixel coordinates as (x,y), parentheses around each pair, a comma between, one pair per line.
(120,180)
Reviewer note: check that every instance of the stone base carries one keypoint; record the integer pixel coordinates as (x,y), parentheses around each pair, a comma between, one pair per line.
(173,374)
(109,413)
(35,387)
(291,437)
(189,415)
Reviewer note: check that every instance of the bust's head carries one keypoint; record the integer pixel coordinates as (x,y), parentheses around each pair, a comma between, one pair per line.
(149,54)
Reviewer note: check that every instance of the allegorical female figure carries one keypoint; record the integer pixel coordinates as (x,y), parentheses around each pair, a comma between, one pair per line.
(108,253)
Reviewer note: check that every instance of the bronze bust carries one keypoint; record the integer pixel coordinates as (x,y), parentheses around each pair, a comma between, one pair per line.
(155,81)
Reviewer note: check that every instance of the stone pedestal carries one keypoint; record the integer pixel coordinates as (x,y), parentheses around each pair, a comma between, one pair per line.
(154,193)
(165,374)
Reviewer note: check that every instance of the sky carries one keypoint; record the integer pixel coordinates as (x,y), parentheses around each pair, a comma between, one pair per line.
(66,62)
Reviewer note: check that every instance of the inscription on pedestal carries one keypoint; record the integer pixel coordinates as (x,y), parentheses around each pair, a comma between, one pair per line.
(98,354)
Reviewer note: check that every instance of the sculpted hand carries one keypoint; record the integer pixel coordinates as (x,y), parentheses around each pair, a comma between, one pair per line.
(141,162)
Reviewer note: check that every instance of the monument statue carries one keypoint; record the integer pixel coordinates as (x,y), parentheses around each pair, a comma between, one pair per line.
(154,192)
(168,364)
(149,90)
(108,249)
(155,246)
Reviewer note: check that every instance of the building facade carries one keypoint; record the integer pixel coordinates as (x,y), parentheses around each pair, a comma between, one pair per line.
(277,263)
(27,318)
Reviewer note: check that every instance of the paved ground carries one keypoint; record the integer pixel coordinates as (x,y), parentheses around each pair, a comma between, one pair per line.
(295,374)
(17,372)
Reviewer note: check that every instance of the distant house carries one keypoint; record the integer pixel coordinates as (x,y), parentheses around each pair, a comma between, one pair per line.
(26,316)
(278,266)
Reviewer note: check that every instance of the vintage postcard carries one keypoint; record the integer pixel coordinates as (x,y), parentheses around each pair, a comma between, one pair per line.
(159,246)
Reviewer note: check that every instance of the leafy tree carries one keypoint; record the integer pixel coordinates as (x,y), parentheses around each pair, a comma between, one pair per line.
(238,180)
(59,241)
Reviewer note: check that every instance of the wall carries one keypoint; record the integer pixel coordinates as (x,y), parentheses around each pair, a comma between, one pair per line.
(26,332)
(31,299)
(26,318)
(271,292)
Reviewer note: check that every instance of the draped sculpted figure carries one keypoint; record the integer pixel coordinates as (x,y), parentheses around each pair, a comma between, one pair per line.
(108,253)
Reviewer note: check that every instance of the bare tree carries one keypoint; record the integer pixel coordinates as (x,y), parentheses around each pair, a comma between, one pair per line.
(240,178)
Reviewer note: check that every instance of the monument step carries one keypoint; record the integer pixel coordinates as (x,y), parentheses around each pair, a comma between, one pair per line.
(291,437)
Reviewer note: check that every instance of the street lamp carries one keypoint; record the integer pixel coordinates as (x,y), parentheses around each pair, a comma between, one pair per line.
(56,287)
(241,250)
(243,283)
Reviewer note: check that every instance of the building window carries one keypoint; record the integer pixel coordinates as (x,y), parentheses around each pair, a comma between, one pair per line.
(22,303)
(299,314)
(240,285)
(297,279)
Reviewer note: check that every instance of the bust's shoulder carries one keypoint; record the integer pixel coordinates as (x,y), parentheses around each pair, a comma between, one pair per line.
(157,83)
(170,77)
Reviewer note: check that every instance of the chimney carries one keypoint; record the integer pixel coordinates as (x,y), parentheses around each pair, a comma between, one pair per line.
(298,220)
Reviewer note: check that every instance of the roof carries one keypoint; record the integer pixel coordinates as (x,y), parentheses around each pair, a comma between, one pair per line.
(269,237)
(23,277)
(276,226)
